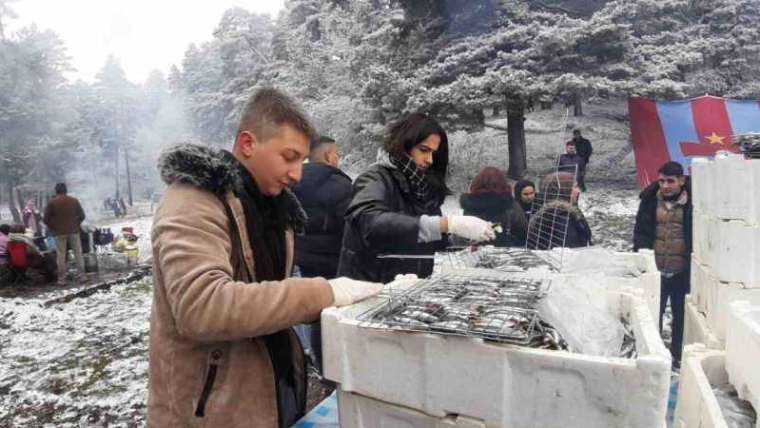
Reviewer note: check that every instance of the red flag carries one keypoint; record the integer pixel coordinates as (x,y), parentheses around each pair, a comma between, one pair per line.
(681,130)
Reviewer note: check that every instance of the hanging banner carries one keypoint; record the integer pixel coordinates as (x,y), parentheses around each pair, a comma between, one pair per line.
(682,130)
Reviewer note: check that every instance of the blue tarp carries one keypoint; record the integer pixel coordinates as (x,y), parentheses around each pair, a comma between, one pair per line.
(325,415)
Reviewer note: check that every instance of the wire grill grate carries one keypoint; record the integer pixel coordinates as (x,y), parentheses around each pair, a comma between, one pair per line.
(491,307)
(495,258)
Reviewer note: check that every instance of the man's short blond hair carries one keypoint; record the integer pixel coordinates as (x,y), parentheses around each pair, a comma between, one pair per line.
(268,109)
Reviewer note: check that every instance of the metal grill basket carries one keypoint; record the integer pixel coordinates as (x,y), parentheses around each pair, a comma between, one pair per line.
(493,307)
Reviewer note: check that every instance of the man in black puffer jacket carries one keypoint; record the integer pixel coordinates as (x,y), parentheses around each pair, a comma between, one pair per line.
(324,193)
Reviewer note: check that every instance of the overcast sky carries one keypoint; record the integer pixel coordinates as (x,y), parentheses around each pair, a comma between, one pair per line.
(143,34)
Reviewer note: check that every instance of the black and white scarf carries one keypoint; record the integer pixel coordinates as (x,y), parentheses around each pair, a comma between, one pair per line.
(416,177)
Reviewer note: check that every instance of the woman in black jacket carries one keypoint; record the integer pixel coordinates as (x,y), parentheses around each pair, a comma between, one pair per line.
(490,199)
(394,219)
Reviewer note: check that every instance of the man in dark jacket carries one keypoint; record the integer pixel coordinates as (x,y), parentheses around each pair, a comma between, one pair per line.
(584,150)
(664,224)
(64,216)
(324,193)
(572,162)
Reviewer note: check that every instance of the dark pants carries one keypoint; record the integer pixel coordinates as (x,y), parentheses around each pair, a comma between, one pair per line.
(582,178)
(676,288)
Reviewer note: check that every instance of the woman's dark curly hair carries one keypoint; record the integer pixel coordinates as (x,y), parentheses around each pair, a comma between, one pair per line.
(410,131)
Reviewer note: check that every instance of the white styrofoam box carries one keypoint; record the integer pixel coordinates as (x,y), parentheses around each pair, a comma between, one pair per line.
(737,179)
(699,282)
(743,351)
(357,411)
(701,185)
(697,406)
(736,252)
(597,259)
(719,296)
(713,241)
(648,284)
(502,385)
(701,236)
(622,270)
(695,328)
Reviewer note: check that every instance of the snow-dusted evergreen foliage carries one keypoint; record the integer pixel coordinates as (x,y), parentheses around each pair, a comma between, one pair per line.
(358,65)
(381,59)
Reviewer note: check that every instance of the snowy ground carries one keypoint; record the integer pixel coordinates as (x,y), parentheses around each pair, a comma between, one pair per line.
(84,363)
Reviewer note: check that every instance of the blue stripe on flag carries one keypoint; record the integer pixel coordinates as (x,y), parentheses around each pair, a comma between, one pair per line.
(744,116)
(678,126)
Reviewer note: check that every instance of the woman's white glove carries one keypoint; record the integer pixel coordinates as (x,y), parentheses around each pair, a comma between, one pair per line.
(471,228)
(347,291)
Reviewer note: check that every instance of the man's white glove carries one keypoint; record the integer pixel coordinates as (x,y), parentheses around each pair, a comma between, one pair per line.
(347,291)
(471,228)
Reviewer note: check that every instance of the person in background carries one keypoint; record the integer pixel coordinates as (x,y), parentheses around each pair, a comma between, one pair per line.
(572,162)
(64,216)
(122,207)
(490,199)
(559,222)
(6,273)
(37,259)
(222,352)
(584,149)
(115,207)
(32,218)
(395,212)
(324,193)
(664,224)
(525,193)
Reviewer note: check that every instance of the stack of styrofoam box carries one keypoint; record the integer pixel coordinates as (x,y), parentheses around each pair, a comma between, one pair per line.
(743,351)
(695,329)
(386,374)
(726,244)
(697,406)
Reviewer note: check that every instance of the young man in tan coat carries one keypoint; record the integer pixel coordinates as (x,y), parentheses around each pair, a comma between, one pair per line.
(222,351)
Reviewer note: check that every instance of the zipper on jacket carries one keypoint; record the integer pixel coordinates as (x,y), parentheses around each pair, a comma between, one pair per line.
(200,410)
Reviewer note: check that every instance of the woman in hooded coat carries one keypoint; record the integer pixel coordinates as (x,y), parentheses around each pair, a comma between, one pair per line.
(394,222)
(559,222)
(525,192)
(490,199)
